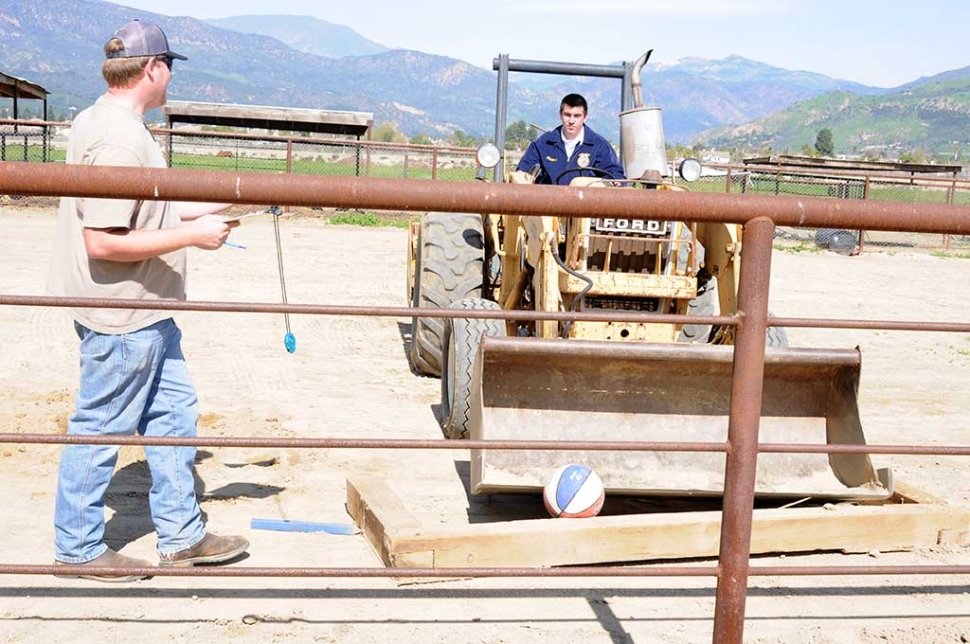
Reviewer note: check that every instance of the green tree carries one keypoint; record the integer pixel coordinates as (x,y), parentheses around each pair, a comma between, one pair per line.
(461,139)
(519,135)
(913,156)
(823,142)
(421,139)
(678,151)
(387,132)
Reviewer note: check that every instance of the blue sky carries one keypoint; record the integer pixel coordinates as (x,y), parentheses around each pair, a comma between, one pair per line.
(883,43)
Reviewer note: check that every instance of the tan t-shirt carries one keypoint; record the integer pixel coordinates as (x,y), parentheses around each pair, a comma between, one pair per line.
(110,134)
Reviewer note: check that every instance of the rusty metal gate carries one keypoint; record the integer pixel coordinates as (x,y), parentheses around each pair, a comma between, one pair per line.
(759,214)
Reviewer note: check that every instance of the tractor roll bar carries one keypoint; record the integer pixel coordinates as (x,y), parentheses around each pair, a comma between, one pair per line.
(503,65)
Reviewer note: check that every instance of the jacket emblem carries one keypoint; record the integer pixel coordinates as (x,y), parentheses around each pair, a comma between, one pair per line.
(583,160)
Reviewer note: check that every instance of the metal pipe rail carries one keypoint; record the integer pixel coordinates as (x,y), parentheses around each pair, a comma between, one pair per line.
(452,573)
(875,176)
(759,214)
(474,197)
(403,311)
(405,443)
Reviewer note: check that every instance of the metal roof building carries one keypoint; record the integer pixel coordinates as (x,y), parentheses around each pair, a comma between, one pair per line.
(18,88)
(290,119)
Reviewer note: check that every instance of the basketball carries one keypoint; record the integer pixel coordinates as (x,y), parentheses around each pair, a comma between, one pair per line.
(574,491)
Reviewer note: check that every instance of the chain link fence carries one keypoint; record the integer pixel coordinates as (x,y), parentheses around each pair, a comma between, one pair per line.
(32,142)
(848,185)
(47,142)
(40,142)
(312,155)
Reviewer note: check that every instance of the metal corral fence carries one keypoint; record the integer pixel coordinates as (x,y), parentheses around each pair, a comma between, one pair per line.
(849,185)
(39,141)
(315,155)
(760,215)
(44,142)
(31,140)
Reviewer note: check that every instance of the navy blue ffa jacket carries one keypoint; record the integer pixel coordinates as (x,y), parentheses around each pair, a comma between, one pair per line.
(549,154)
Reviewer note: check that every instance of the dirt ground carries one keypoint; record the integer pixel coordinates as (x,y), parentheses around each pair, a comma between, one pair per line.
(350,378)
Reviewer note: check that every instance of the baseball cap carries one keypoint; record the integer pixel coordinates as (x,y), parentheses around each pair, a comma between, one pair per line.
(143,39)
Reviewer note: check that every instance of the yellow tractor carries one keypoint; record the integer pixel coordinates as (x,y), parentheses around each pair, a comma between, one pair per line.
(619,381)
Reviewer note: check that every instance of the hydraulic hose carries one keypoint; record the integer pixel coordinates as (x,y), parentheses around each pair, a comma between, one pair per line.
(577,303)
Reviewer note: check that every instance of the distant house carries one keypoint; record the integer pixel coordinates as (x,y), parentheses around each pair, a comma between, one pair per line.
(716,156)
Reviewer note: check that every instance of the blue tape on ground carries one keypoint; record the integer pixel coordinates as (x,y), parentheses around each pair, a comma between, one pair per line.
(303,526)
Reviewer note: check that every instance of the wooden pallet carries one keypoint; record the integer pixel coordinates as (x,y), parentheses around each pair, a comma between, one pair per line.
(910,519)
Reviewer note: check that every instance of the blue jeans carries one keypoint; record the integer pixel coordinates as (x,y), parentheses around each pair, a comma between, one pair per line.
(132,382)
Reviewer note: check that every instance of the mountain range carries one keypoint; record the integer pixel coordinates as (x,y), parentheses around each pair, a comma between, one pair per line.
(928,116)
(299,61)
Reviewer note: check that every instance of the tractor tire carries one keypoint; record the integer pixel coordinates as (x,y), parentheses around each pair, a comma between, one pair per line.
(706,303)
(776,337)
(838,241)
(463,337)
(449,266)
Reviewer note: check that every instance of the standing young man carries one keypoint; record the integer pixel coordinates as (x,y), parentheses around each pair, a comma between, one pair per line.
(133,373)
(571,147)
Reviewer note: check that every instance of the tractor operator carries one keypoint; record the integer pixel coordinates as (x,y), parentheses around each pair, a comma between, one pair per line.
(571,150)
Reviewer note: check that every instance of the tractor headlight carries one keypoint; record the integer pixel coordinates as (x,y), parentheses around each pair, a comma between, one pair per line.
(488,155)
(689,169)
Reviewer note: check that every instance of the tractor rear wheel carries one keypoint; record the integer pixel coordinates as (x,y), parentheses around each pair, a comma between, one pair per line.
(449,266)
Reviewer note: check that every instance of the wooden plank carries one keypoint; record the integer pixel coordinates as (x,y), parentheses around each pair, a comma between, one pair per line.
(401,541)
(554,542)
(379,514)
(908,494)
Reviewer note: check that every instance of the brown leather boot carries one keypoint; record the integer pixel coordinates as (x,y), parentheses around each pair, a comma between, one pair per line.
(211,549)
(108,559)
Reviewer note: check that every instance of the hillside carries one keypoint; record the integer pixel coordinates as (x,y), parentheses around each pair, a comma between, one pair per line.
(58,45)
(933,116)
(695,94)
(318,64)
(304,33)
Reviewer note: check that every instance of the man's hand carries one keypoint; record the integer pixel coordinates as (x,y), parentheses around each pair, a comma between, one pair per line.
(211,231)
(520,177)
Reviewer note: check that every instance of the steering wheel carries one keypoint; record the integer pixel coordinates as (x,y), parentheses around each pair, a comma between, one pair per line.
(597,172)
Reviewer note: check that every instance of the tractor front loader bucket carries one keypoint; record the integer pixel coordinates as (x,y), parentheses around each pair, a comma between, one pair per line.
(536,389)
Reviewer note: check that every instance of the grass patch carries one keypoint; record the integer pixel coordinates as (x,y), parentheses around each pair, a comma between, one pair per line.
(798,248)
(346,168)
(33,153)
(961,351)
(949,255)
(369,219)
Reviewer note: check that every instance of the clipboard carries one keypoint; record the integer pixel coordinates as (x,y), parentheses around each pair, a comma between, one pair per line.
(244,216)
